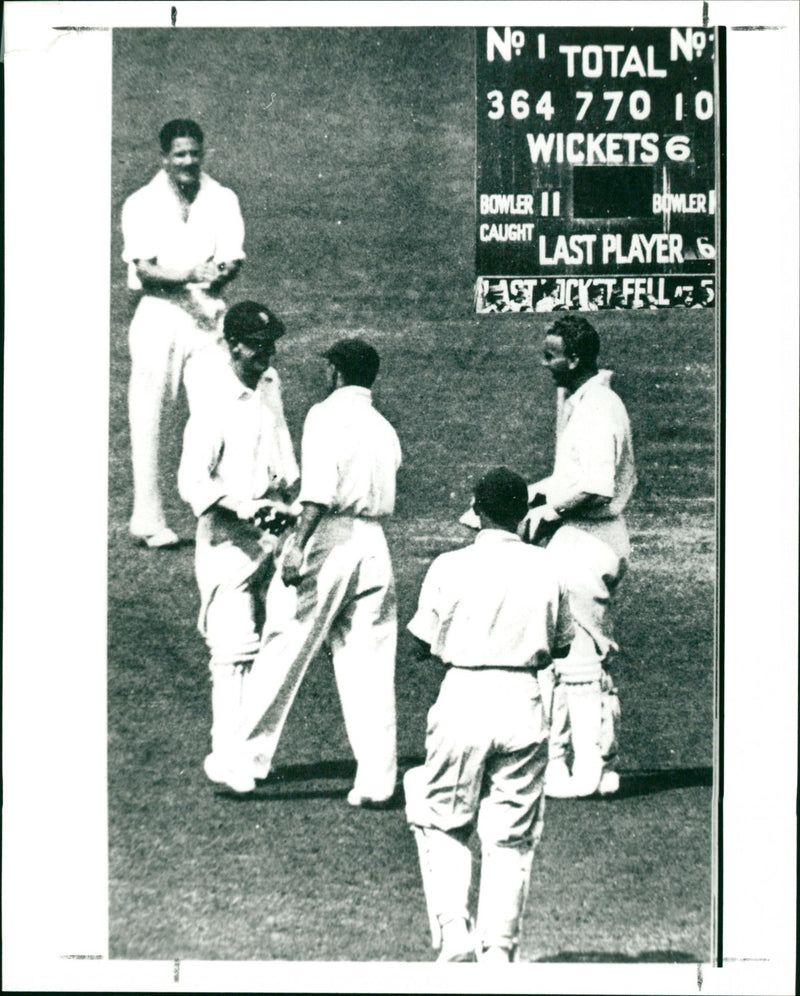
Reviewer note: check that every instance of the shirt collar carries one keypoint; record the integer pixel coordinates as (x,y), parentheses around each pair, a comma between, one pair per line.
(491,535)
(600,379)
(352,391)
(163,178)
(241,391)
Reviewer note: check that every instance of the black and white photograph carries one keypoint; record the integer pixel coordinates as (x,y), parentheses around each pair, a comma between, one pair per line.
(404,489)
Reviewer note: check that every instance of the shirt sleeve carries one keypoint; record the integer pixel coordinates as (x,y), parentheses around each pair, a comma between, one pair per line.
(230,236)
(202,448)
(139,231)
(286,463)
(398,451)
(425,622)
(319,471)
(593,458)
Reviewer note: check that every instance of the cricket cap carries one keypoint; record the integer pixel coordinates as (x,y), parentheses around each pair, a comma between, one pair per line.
(502,495)
(249,321)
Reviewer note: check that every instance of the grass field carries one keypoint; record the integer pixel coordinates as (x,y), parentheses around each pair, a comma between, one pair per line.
(356,184)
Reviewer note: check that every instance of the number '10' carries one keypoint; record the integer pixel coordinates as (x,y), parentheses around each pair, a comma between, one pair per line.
(703,105)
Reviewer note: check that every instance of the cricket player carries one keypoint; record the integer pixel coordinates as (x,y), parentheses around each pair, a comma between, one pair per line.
(335,586)
(237,465)
(183,241)
(578,512)
(495,613)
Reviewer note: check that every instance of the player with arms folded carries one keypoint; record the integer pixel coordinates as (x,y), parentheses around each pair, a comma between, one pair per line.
(495,613)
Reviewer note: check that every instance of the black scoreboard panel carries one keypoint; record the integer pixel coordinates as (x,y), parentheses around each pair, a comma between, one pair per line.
(596,167)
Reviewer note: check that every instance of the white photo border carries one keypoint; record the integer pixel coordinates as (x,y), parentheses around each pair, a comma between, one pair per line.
(58,127)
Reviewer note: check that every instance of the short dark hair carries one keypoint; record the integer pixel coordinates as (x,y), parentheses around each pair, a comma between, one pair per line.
(502,496)
(580,338)
(356,361)
(179,128)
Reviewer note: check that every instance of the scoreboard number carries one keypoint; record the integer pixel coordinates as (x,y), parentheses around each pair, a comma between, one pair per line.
(519,104)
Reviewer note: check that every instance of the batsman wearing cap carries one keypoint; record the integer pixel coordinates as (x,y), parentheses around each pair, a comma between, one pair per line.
(237,471)
(495,613)
(335,587)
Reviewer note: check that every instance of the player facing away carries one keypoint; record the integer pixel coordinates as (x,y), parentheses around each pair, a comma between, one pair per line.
(237,468)
(494,613)
(183,241)
(335,587)
(578,513)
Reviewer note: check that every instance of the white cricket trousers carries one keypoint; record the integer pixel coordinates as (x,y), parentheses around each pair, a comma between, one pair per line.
(234,563)
(486,753)
(346,599)
(162,336)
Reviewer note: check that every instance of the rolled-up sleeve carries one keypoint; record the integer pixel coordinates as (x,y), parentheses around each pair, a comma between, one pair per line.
(425,622)
(230,235)
(139,231)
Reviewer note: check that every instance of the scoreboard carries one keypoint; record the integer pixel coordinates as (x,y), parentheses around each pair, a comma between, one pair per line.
(596,168)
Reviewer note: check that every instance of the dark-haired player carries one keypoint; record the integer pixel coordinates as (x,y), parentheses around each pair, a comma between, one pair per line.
(495,613)
(183,241)
(579,513)
(335,587)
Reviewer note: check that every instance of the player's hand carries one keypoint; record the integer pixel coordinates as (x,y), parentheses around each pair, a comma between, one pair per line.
(204,273)
(539,525)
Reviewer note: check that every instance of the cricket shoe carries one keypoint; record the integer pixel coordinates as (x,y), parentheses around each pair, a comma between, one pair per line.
(557,780)
(495,954)
(586,776)
(162,539)
(458,944)
(584,780)
(355,798)
(225,770)
(262,758)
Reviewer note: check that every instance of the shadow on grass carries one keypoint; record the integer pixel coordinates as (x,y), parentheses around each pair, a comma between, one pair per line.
(648,782)
(632,785)
(269,789)
(611,957)
(141,546)
(329,769)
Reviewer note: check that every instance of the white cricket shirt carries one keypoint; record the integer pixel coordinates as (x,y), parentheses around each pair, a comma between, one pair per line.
(153,226)
(236,441)
(594,450)
(350,455)
(496,603)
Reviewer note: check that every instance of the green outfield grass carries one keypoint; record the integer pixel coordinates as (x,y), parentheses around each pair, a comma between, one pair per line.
(356,185)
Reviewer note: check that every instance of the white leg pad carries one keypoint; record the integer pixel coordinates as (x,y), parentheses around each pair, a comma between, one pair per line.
(505,876)
(585,710)
(446,867)
(226,703)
